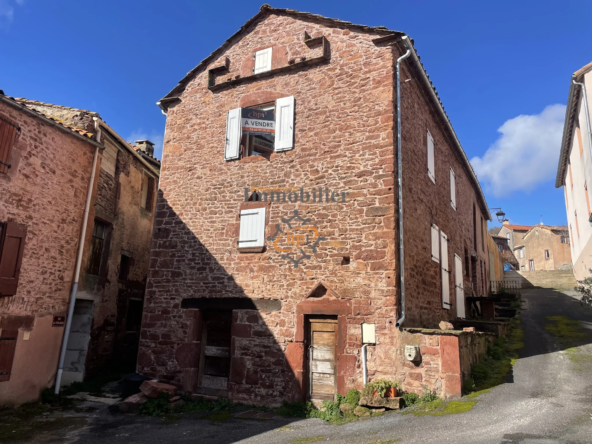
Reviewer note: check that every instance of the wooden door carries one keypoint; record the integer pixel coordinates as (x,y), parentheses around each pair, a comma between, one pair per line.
(459,287)
(322,358)
(214,365)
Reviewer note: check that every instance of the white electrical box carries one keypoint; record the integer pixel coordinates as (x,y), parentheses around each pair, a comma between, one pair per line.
(368,333)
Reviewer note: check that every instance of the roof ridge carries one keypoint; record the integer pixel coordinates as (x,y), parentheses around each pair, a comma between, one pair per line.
(37,102)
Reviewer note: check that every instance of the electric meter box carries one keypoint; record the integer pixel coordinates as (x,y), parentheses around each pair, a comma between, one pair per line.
(368,333)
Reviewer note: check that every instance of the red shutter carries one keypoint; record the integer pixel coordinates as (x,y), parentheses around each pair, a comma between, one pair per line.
(12,245)
(7,348)
(8,133)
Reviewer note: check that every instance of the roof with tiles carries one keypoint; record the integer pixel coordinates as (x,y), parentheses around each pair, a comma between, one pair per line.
(61,122)
(519,227)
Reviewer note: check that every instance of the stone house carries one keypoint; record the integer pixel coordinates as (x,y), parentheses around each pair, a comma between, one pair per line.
(277,255)
(574,170)
(44,195)
(544,247)
(513,233)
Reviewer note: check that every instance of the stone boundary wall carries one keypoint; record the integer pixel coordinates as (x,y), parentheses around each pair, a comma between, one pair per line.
(446,360)
(560,279)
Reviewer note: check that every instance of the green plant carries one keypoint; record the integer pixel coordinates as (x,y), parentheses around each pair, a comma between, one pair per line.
(353,398)
(156,406)
(410,398)
(379,386)
(468,385)
(427,397)
(295,409)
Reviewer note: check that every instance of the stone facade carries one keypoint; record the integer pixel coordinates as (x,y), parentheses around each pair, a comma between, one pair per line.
(45,189)
(344,140)
(547,247)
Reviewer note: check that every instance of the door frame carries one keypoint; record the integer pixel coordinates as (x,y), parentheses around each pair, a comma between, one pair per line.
(329,319)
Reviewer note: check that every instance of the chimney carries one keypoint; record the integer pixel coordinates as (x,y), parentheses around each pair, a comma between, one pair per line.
(506,222)
(145,146)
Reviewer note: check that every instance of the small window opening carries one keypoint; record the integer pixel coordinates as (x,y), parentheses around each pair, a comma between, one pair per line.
(124,267)
(345,260)
(546,254)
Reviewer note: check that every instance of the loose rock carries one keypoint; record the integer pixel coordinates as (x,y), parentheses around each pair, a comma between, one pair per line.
(152,389)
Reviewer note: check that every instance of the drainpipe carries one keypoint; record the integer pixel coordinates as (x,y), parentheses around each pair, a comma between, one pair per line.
(400,183)
(365,363)
(74,290)
(585,99)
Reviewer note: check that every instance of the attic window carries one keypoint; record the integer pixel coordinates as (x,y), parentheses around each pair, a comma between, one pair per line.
(262,61)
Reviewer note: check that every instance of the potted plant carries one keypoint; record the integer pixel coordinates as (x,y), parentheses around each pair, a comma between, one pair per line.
(381,388)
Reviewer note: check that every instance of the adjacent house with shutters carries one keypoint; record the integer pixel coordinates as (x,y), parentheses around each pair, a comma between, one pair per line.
(279,255)
(574,170)
(544,247)
(47,156)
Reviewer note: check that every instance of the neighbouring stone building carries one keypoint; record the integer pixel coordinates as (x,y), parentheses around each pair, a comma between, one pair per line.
(513,233)
(575,170)
(544,247)
(42,197)
(273,251)
(507,253)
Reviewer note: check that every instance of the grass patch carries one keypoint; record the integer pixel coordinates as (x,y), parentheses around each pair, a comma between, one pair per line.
(330,412)
(312,439)
(441,408)
(568,332)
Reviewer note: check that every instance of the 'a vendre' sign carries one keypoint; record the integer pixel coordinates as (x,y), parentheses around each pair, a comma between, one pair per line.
(256,121)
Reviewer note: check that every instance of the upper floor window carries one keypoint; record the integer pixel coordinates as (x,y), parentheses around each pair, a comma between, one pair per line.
(452,189)
(8,135)
(99,254)
(500,248)
(262,61)
(12,246)
(546,254)
(147,192)
(260,130)
(431,167)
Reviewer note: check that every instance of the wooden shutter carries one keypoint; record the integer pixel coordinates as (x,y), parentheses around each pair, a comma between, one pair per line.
(431,168)
(12,245)
(7,348)
(445,272)
(452,189)
(284,124)
(262,61)
(8,133)
(435,243)
(459,287)
(233,134)
(252,228)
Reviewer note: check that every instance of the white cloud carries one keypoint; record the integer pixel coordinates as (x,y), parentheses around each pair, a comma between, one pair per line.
(7,12)
(525,155)
(156,138)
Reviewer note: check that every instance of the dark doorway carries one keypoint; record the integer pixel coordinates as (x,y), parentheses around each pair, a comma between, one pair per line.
(214,365)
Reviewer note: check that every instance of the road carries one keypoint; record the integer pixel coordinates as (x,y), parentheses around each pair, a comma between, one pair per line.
(548,399)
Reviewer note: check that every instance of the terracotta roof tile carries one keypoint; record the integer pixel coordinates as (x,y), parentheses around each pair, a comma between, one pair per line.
(519,227)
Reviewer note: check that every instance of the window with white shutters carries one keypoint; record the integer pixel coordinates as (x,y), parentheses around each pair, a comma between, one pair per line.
(431,168)
(262,61)
(445,272)
(233,134)
(452,189)
(252,228)
(284,124)
(435,243)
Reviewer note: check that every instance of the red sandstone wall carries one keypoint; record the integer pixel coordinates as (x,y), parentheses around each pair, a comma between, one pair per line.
(46,190)
(343,139)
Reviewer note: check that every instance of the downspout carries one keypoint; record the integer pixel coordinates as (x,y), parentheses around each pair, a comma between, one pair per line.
(365,363)
(74,290)
(400,183)
(585,98)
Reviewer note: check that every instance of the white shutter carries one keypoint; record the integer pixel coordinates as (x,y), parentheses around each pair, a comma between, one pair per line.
(435,244)
(445,273)
(233,134)
(452,189)
(459,287)
(431,168)
(252,228)
(262,61)
(284,124)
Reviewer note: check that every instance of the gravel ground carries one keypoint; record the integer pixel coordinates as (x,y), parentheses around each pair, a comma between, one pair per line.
(547,399)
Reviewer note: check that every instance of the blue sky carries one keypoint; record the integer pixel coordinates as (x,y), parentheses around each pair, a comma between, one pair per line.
(501,65)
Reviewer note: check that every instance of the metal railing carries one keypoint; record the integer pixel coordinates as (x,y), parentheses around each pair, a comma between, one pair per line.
(511,286)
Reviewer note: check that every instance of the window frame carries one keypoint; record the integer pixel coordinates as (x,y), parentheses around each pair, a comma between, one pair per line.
(246,206)
(9,133)
(431,172)
(268,65)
